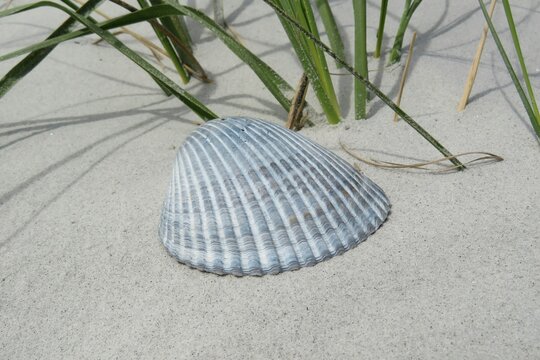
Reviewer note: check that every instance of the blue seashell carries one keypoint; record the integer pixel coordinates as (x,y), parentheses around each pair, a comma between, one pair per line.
(248,197)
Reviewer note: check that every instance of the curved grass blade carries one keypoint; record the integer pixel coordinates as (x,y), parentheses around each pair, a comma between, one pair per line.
(124,20)
(530,112)
(190,101)
(273,82)
(173,29)
(277,86)
(373,89)
(329,22)
(32,60)
(380,29)
(165,42)
(50,42)
(408,11)
(174,48)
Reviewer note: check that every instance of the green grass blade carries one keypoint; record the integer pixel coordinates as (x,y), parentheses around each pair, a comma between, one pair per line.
(372,88)
(277,86)
(183,46)
(32,60)
(319,57)
(181,27)
(190,101)
(408,11)
(329,22)
(360,57)
(179,51)
(167,46)
(528,108)
(311,58)
(129,19)
(272,80)
(515,38)
(380,29)
(180,42)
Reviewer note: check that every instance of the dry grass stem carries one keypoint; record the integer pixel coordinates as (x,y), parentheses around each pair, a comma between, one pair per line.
(485,158)
(297,105)
(476,62)
(404,75)
(154,49)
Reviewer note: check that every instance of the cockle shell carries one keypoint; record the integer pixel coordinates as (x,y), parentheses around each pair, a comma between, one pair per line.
(248,197)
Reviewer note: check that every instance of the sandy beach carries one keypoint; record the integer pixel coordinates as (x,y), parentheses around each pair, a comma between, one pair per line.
(87,142)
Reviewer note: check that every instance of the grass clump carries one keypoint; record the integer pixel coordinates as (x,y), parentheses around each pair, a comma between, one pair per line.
(297,19)
(311,57)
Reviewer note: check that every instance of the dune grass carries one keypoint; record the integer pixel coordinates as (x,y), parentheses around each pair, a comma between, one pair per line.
(310,56)
(296,17)
(409,120)
(273,81)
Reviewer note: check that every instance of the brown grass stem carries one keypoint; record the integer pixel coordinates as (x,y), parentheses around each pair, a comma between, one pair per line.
(404,75)
(294,120)
(143,40)
(476,62)
(486,157)
(201,75)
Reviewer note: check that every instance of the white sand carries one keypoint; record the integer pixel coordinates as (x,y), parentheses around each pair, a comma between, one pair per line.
(86,145)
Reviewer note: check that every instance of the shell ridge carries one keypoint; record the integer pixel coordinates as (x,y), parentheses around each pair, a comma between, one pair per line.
(263,154)
(265,256)
(322,183)
(198,248)
(231,253)
(377,191)
(318,165)
(173,205)
(332,160)
(163,231)
(220,167)
(217,233)
(181,193)
(382,200)
(184,241)
(381,210)
(188,225)
(244,262)
(268,218)
(364,207)
(318,221)
(283,208)
(240,189)
(300,243)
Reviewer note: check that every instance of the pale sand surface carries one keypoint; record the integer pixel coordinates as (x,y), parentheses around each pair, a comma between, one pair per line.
(86,146)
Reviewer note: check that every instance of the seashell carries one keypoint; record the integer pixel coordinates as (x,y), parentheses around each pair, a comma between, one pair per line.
(248,197)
